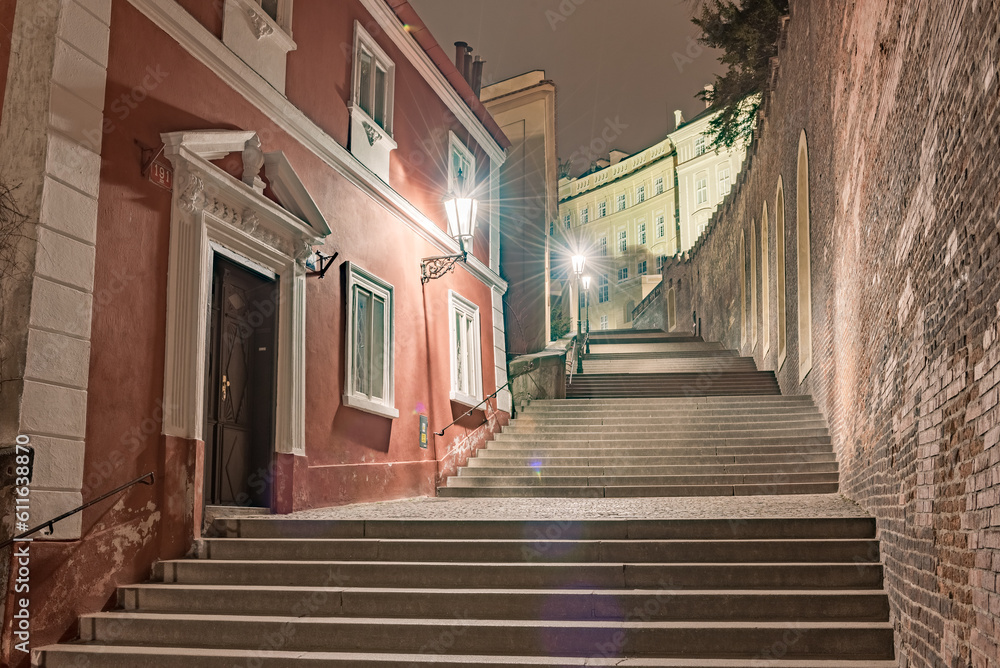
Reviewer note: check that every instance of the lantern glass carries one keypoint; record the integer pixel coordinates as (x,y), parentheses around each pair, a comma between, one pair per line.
(578,262)
(461,217)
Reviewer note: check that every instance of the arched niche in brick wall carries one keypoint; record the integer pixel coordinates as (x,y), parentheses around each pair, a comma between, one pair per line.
(779,235)
(803,276)
(765,282)
(752,253)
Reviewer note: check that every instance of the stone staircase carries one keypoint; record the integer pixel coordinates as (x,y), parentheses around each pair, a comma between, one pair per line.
(699,582)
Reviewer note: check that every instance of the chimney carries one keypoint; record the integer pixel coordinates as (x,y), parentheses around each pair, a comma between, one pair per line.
(616,156)
(709,88)
(467,72)
(477,75)
(678,118)
(461,51)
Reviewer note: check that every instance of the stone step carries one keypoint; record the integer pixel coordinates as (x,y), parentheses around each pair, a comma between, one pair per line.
(477,480)
(644,438)
(610,529)
(661,392)
(535,411)
(679,605)
(690,402)
(496,458)
(692,426)
(852,550)
(488,468)
(854,640)
(74,656)
(641,491)
(575,449)
(667,422)
(707,354)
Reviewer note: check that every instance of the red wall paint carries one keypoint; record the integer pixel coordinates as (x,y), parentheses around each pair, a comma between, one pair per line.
(7,8)
(351,456)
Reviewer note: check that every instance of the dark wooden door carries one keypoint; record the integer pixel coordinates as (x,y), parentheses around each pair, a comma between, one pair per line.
(239,396)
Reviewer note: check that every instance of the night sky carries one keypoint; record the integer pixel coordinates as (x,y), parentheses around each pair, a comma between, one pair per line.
(620,66)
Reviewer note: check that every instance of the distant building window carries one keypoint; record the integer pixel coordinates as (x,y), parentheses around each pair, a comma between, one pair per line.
(641,269)
(552,227)
(623,241)
(659,263)
(585,216)
(642,234)
(699,145)
(701,191)
(602,246)
(567,220)
(623,274)
(621,202)
(724,183)
(660,228)
(640,194)
(602,289)
(602,209)
(604,322)
(658,185)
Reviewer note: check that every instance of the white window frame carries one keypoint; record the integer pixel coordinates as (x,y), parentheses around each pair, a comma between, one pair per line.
(699,145)
(660,227)
(640,269)
(700,190)
(567,220)
(455,145)
(660,260)
(386,407)
(459,305)
(284,14)
(640,194)
(642,234)
(623,241)
(585,215)
(363,40)
(622,274)
(620,202)
(604,322)
(658,185)
(602,209)
(725,177)
(603,289)
(602,246)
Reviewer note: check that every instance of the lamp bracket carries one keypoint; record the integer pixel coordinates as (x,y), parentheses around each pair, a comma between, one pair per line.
(325,262)
(439,265)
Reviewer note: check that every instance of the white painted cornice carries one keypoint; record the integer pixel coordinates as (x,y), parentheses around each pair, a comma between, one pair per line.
(210,51)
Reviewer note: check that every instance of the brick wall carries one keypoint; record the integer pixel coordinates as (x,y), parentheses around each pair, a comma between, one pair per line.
(900,104)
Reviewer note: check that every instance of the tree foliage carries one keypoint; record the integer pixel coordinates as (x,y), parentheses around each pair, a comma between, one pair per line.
(747,32)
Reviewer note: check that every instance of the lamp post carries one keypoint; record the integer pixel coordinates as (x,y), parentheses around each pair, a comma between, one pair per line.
(578,262)
(461,227)
(586,290)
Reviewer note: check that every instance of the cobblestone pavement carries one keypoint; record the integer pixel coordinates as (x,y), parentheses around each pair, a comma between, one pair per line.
(725,507)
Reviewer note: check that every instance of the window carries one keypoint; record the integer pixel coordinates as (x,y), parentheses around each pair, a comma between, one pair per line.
(640,194)
(701,191)
(604,322)
(642,234)
(567,220)
(621,202)
(602,290)
(260,33)
(602,246)
(280,12)
(374,76)
(461,167)
(369,346)
(622,241)
(641,269)
(623,274)
(660,260)
(699,145)
(658,185)
(602,209)
(585,216)
(466,377)
(660,229)
(724,183)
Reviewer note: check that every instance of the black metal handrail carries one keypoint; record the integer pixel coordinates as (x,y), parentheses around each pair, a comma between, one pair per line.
(473,409)
(139,480)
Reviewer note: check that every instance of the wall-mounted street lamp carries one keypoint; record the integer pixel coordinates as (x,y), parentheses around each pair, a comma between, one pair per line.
(461,226)
(578,263)
(586,289)
(317,264)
